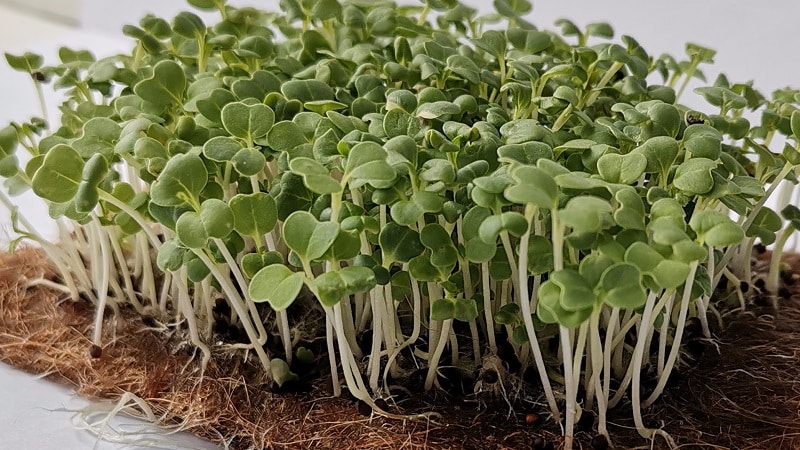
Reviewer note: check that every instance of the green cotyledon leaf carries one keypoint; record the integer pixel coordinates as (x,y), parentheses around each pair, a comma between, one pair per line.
(253,214)
(165,86)
(58,177)
(308,237)
(183,179)
(332,286)
(277,285)
(715,229)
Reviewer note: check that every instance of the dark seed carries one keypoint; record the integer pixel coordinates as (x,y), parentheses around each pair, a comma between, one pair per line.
(674,379)
(693,327)
(785,293)
(744,286)
(696,348)
(490,376)
(364,409)
(580,396)
(381,404)
(38,76)
(760,248)
(691,120)
(506,352)
(148,321)
(538,443)
(531,375)
(85,297)
(416,381)
(364,341)
(221,327)
(552,344)
(532,419)
(586,422)
(599,442)
(222,307)
(95,351)
(451,379)
(760,283)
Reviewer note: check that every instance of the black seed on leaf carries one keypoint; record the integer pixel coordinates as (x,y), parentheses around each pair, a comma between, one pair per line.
(38,76)
(95,351)
(691,120)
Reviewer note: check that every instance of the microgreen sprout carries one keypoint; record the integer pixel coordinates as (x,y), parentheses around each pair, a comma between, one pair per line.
(416,177)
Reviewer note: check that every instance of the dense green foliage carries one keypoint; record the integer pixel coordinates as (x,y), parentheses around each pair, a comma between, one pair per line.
(406,171)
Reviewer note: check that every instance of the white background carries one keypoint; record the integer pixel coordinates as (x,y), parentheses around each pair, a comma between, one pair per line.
(753,41)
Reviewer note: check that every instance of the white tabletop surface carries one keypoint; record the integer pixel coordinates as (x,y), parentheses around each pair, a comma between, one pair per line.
(753,42)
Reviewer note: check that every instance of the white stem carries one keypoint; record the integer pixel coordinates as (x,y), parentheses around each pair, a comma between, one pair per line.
(487,307)
(433,362)
(569,387)
(676,342)
(243,286)
(53,252)
(237,304)
(613,322)
(102,288)
(525,308)
(374,365)
(283,317)
(337,388)
(187,309)
(143,223)
(636,365)
(125,273)
(598,367)
(416,311)
(662,338)
(148,282)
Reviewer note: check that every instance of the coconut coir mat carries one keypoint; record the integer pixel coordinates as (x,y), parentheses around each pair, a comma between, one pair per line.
(742,393)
